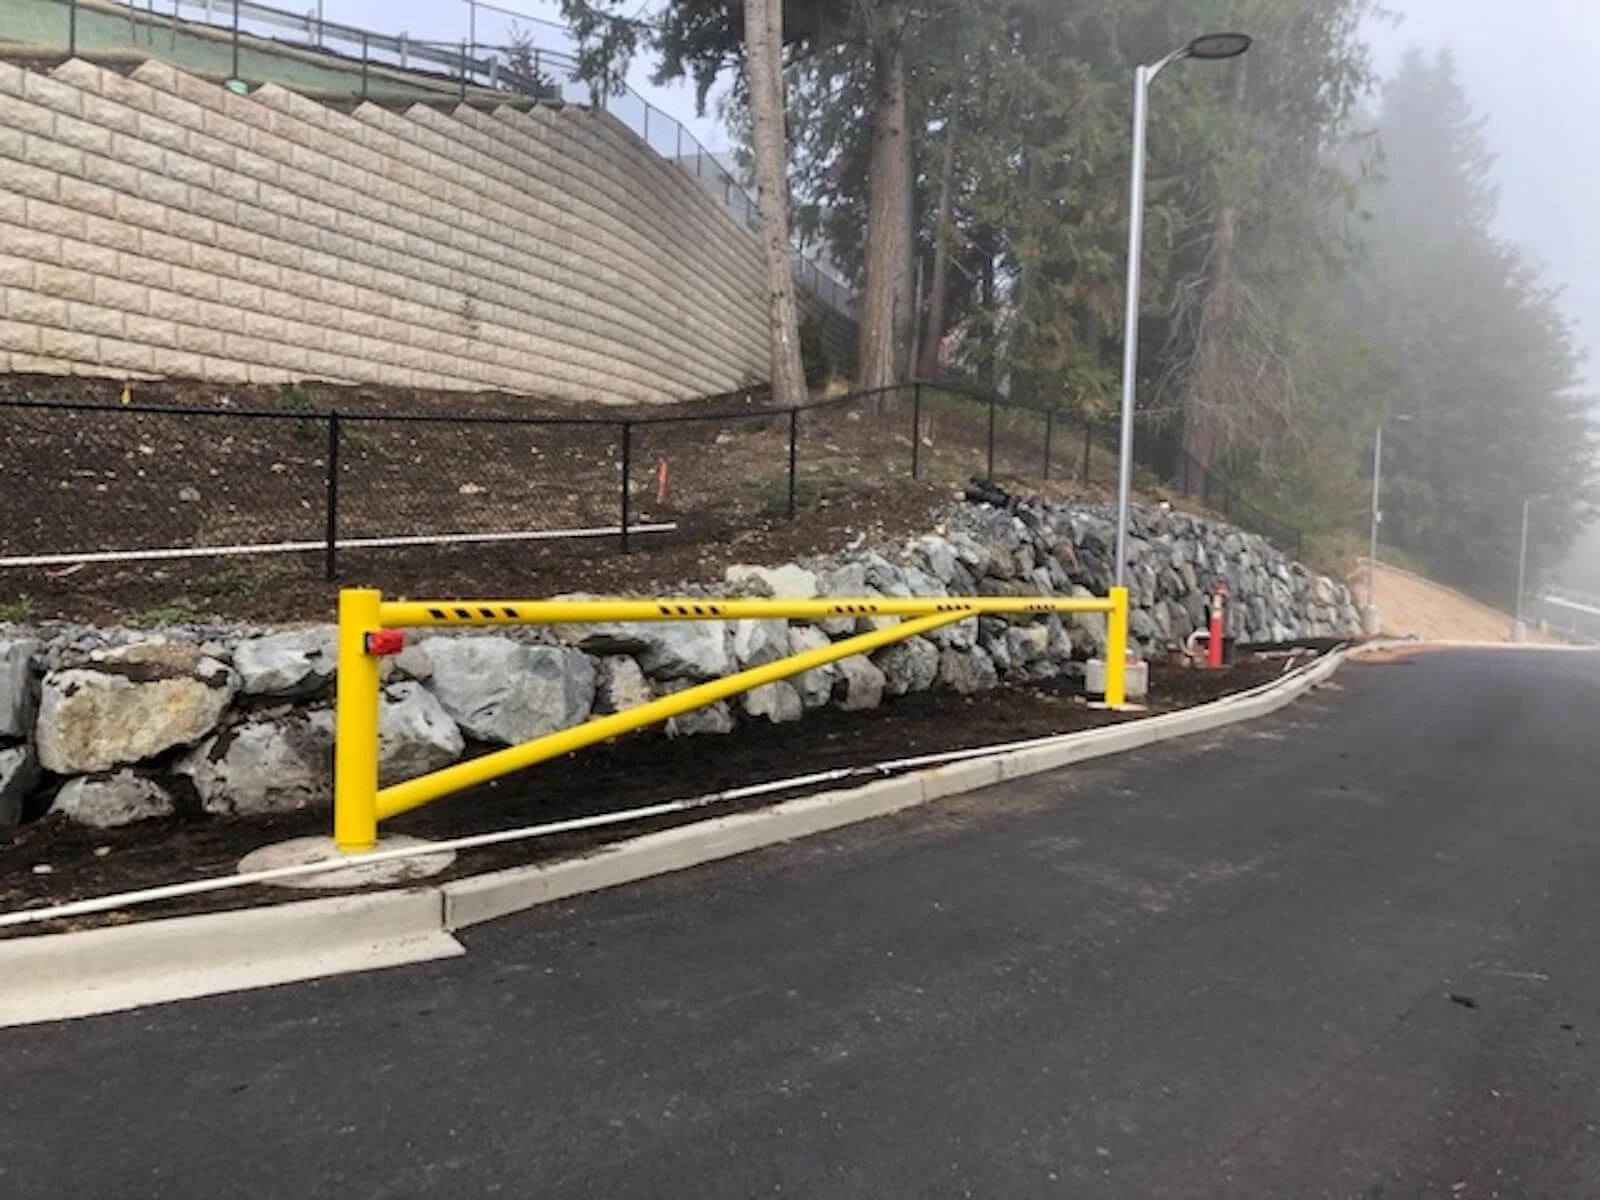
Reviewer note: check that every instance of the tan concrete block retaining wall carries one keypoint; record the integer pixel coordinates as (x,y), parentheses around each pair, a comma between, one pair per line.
(157,224)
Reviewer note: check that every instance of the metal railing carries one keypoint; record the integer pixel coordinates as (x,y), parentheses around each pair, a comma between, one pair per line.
(366,64)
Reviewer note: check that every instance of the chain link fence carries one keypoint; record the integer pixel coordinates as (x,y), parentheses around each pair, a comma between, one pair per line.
(152,484)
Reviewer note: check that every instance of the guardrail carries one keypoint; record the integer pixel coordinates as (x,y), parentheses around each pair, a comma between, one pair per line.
(370,628)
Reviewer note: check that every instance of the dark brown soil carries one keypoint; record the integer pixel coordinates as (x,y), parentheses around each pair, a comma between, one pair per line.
(119,478)
(639,770)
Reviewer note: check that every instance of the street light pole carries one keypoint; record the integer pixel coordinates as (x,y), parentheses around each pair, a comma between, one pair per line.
(1210,46)
(1130,320)
(1372,621)
(1377,518)
(1519,630)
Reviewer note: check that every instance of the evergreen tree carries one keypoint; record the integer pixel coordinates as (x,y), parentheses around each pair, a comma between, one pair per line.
(1487,369)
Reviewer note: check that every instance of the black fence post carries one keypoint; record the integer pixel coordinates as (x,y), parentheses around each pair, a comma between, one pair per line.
(363,65)
(794,442)
(627,473)
(463,72)
(916,430)
(1049,433)
(235,74)
(72,27)
(990,475)
(1088,449)
(330,553)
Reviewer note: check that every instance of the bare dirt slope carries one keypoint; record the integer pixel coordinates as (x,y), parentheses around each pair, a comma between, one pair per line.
(1412,606)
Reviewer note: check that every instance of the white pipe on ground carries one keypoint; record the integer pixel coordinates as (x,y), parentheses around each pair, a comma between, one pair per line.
(421,539)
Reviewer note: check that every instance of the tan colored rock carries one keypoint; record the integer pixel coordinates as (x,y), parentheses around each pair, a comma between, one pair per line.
(130,706)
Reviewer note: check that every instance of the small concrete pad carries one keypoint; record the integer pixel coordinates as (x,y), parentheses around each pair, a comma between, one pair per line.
(346,871)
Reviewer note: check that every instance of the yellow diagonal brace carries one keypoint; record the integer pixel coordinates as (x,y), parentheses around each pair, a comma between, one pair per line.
(415,613)
(413,793)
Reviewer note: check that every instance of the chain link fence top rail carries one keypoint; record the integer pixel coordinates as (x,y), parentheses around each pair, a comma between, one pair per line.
(243,39)
(87,481)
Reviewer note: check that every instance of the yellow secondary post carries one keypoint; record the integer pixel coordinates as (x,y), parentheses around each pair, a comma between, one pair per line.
(355,747)
(1117,649)
(413,793)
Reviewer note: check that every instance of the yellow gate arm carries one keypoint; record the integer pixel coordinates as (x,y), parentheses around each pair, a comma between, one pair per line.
(359,804)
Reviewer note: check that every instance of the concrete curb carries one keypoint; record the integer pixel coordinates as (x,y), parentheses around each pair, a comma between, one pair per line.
(59,976)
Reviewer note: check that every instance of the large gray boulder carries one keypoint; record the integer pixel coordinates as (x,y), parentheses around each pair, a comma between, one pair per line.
(816,685)
(1087,630)
(296,663)
(908,666)
(936,556)
(16,687)
(847,581)
(696,650)
(415,734)
(788,582)
(860,684)
(109,801)
(264,765)
(756,643)
(715,717)
(778,702)
(502,691)
(136,703)
(1027,644)
(19,775)
(967,671)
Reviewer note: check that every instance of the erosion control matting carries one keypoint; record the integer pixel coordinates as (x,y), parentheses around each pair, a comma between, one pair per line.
(52,862)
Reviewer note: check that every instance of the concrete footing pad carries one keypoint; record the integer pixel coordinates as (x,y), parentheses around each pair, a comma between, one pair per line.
(343,872)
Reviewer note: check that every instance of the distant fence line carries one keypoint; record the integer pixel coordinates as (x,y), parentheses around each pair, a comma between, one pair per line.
(103,483)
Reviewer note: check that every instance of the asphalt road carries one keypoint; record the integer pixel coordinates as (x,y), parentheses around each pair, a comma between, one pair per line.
(1349,951)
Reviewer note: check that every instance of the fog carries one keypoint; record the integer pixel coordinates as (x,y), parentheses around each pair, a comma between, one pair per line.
(1532,67)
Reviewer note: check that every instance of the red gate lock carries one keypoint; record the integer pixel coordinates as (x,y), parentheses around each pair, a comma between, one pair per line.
(381,642)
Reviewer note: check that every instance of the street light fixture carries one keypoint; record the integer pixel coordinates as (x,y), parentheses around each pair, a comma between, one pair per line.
(1372,622)
(1208,47)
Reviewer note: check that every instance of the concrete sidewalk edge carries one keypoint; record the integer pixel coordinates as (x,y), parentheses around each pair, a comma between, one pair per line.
(59,976)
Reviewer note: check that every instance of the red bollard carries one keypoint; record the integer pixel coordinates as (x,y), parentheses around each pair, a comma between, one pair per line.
(1219,603)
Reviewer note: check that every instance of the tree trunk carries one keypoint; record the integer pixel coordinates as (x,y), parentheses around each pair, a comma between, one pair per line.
(938,290)
(1201,399)
(763,53)
(886,290)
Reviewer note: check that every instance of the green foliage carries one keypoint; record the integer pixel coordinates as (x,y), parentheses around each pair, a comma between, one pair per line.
(817,362)
(1307,271)
(19,611)
(160,618)
(242,580)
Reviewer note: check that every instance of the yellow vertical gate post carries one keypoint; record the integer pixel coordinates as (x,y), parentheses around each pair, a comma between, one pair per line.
(1117,649)
(355,731)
